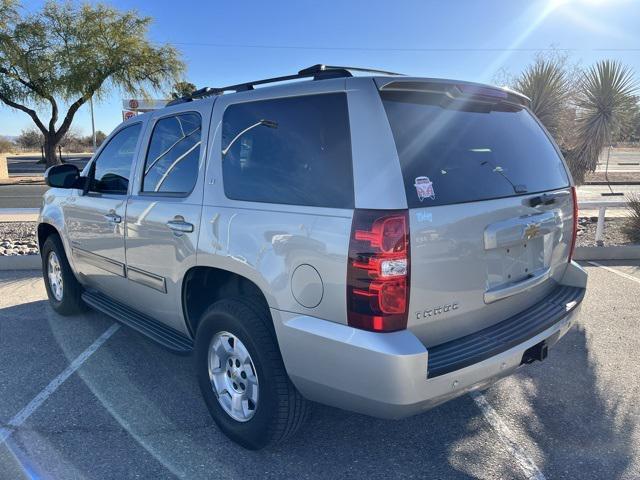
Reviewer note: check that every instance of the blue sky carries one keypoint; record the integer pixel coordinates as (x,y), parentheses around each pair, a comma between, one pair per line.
(228,42)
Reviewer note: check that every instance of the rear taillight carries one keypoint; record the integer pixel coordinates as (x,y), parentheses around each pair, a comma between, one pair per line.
(574,196)
(378,270)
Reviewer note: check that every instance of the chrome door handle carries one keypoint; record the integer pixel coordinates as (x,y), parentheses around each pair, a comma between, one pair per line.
(113,217)
(180,226)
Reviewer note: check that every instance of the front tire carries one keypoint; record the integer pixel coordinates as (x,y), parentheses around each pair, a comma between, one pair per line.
(242,376)
(61,284)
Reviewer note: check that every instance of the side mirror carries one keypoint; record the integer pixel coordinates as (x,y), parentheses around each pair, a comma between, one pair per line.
(63,176)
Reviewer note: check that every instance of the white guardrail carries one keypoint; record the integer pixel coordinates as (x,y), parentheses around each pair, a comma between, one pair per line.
(602,209)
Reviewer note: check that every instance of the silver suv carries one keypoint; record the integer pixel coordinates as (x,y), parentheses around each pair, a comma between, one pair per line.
(378,243)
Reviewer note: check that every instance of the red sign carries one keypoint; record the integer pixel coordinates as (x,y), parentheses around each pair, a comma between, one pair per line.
(127,114)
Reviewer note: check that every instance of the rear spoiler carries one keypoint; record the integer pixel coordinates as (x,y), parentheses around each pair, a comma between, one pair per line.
(454,89)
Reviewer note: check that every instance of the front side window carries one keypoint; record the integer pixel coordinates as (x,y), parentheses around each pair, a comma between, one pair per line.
(112,168)
(294,151)
(173,157)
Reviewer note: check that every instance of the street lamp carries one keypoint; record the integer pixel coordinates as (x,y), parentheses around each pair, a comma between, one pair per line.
(93,124)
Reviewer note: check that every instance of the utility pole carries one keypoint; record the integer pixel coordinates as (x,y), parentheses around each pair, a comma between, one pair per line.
(93,124)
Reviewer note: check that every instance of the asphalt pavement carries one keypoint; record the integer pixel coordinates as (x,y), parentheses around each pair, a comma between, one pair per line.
(21,196)
(30,195)
(25,166)
(130,409)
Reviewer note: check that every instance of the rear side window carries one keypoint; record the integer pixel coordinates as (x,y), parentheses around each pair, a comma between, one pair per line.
(172,160)
(454,151)
(293,151)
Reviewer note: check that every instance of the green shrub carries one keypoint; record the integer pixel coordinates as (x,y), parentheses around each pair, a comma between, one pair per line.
(632,224)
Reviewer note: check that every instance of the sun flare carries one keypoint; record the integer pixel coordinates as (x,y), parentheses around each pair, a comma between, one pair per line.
(559,3)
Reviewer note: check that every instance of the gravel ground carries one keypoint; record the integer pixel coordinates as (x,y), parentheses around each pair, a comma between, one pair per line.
(613,234)
(18,238)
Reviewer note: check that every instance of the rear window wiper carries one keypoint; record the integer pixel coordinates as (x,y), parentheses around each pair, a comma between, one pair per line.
(517,187)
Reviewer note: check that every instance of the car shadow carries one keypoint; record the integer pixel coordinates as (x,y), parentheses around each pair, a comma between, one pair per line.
(134,388)
(580,422)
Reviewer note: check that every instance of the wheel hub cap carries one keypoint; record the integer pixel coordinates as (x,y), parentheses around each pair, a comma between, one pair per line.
(233,376)
(54,272)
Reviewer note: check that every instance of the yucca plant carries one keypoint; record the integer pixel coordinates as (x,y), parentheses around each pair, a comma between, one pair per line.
(604,99)
(545,83)
(632,224)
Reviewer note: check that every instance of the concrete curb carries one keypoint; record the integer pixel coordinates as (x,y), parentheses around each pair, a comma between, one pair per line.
(21,180)
(20,262)
(614,183)
(622,252)
(19,214)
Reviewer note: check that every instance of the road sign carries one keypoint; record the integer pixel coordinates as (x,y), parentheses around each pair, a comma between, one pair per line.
(127,114)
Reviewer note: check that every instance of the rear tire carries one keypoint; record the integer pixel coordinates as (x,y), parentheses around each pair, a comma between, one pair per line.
(279,409)
(63,289)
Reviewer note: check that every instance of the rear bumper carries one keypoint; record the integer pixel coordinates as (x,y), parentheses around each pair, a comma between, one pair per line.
(387,374)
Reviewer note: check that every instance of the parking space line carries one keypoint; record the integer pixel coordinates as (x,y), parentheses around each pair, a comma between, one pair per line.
(506,436)
(39,399)
(617,272)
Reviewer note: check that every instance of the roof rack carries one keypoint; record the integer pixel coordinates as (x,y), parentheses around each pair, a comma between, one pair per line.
(318,72)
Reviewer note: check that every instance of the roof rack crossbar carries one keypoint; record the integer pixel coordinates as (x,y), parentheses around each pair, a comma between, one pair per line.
(318,72)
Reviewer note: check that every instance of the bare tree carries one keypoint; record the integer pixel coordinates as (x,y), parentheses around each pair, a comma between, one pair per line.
(67,53)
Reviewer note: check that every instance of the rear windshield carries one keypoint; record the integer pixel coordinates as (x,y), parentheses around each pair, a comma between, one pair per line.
(454,151)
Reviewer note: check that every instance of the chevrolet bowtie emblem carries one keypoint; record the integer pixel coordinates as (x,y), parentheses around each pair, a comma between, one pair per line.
(532,230)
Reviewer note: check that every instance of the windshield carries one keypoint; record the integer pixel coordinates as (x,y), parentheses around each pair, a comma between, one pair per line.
(455,151)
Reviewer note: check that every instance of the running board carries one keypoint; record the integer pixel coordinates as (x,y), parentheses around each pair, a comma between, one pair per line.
(160,333)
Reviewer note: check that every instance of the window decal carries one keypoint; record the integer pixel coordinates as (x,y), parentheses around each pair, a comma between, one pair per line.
(424,188)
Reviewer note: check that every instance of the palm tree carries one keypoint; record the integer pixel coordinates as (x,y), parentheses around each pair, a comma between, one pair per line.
(545,83)
(604,99)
